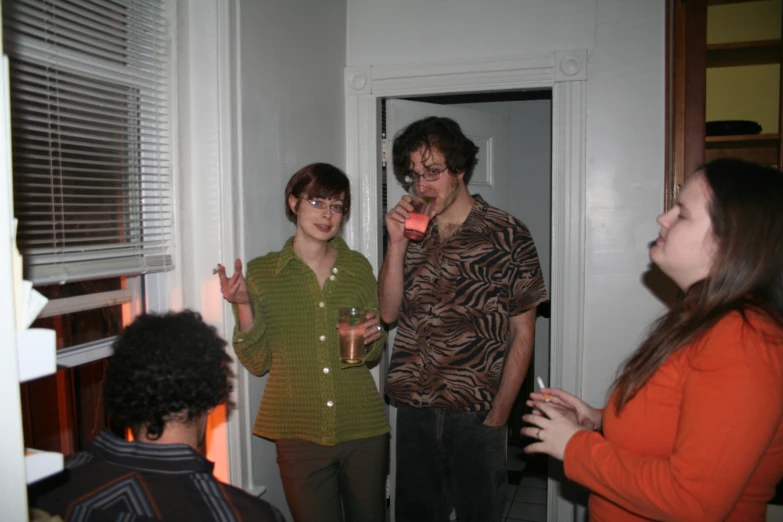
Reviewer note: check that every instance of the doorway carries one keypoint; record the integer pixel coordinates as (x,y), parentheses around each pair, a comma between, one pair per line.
(516,177)
(565,73)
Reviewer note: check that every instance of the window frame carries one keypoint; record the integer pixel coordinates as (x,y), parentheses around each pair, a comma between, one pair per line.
(47,263)
(133,304)
(143,292)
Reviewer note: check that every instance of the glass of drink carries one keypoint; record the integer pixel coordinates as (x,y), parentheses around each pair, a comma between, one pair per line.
(350,324)
(419,219)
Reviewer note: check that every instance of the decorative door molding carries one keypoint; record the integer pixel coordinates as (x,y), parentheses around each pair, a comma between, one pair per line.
(565,73)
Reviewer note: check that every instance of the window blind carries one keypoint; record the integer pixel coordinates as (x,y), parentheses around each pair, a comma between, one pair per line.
(90,136)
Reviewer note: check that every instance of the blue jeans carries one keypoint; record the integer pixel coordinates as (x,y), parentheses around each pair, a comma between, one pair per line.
(449,458)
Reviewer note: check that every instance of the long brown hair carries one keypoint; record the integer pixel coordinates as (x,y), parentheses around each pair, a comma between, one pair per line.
(746,213)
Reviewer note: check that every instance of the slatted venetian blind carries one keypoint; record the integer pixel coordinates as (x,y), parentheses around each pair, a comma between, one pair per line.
(90,136)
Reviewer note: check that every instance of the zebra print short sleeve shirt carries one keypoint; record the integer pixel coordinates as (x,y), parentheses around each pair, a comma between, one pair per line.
(459,294)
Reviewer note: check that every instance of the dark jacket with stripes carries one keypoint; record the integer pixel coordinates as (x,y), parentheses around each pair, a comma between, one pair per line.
(119,480)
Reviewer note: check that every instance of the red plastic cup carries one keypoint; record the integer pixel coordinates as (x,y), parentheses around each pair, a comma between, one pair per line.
(418,221)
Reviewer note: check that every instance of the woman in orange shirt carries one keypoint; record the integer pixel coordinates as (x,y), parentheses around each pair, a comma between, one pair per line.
(693,429)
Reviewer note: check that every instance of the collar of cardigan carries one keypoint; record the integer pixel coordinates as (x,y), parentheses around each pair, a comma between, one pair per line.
(287,254)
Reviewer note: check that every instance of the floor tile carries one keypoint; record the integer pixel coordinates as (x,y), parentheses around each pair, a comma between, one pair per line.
(517,460)
(526,511)
(533,481)
(531,495)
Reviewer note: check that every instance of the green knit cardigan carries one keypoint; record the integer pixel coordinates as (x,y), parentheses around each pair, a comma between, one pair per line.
(294,337)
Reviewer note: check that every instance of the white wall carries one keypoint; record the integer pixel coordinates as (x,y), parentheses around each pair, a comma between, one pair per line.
(530,124)
(625,127)
(292,60)
(381,32)
(625,169)
(292,109)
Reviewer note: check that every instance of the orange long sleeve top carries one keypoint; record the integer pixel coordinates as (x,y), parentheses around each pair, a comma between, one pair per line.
(701,441)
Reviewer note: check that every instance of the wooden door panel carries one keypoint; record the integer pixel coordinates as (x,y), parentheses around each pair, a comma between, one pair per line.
(686,57)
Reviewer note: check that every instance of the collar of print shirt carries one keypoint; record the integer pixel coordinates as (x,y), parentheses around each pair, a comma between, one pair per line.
(475,222)
(287,254)
(165,458)
(477,217)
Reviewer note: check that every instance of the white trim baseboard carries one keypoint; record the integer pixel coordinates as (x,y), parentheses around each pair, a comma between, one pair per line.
(565,72)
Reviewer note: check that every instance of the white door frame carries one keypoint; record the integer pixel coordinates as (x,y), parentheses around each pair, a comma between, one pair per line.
(207,107)
(565,72)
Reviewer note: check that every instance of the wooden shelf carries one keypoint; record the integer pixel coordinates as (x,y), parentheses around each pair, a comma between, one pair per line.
(759,148)
(752,140)
(737,54)
(727,2)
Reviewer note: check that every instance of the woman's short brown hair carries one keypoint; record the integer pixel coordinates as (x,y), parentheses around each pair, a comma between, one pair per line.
(318,180)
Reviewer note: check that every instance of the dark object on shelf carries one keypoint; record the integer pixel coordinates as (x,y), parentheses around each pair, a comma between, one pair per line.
(778,498)
(732,128)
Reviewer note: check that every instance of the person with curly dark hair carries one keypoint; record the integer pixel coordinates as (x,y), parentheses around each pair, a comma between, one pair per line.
(168,372)
(181,374)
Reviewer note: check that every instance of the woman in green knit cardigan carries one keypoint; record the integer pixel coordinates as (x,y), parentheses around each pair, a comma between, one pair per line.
(327,420)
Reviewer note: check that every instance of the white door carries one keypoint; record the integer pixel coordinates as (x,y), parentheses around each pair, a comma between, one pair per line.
(491,179)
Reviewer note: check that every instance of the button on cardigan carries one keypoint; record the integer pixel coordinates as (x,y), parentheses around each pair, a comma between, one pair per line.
(309,396)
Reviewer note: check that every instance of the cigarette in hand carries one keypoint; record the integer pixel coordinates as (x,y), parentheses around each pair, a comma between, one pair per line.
(542,385)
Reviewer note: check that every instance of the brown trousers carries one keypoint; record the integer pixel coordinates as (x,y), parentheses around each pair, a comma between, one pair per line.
(342,483)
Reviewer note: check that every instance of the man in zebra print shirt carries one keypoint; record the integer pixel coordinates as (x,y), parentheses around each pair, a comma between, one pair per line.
(464,300)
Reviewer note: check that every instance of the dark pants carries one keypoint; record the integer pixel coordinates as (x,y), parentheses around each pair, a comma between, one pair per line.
(322,483)
(449,458)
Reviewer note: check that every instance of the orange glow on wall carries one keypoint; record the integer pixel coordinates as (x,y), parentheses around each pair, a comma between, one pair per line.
(217,443)
(217,427)
(127,308)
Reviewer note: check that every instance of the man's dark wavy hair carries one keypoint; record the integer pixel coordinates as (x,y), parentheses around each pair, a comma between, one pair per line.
(443,134)
(166,364)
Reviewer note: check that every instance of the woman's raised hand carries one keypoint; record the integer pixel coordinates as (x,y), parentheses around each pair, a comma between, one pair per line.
(234,289)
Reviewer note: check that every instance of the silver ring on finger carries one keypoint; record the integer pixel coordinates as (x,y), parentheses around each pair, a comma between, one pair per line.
(538,434)
(380,328)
